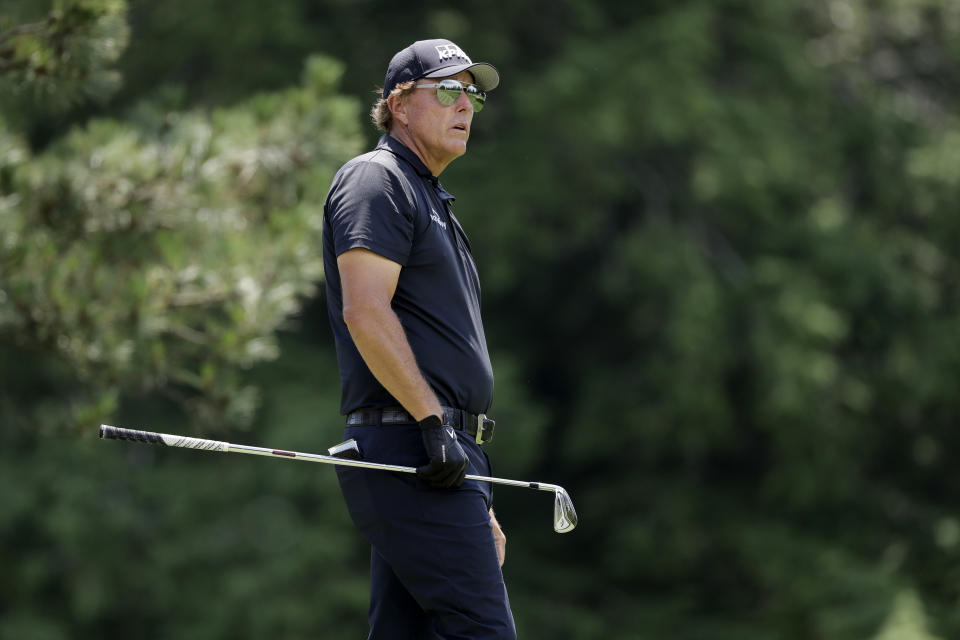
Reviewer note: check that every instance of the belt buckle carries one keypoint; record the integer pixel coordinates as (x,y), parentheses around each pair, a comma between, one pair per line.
(484,426)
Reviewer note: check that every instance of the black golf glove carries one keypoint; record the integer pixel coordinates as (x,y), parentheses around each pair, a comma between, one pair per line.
(448,462)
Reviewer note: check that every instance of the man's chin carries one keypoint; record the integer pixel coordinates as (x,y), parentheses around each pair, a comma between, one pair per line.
(457,148)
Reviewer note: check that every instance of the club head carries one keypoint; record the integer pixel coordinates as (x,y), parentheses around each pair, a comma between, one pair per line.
(564,515)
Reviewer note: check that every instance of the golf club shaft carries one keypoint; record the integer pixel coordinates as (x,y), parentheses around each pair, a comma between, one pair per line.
(118,433)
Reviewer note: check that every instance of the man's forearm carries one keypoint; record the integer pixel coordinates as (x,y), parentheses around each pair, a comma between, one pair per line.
(499,538)
(383,344)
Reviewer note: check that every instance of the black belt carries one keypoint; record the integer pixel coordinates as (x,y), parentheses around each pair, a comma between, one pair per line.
(477,426)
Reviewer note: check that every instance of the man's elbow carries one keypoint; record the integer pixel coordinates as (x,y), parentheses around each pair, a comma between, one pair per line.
(358,315)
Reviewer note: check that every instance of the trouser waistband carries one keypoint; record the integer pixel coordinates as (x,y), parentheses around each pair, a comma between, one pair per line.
(477,426)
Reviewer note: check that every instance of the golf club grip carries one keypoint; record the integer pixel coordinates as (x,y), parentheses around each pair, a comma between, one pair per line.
(108,432)
(116,433)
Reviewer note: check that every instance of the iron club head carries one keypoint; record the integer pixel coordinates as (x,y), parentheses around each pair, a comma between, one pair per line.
(564,515)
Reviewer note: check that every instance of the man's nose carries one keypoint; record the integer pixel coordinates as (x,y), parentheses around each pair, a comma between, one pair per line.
(463,102)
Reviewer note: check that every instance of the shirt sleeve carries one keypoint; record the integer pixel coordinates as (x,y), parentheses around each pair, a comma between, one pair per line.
(368,208)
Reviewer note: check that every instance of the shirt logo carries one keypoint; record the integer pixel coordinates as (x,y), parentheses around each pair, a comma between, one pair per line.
(450,51)
(436,218)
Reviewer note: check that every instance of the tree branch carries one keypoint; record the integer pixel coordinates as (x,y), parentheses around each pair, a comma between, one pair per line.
(21,29)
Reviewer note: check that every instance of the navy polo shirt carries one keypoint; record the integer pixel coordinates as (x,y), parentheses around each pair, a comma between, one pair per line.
(388,202)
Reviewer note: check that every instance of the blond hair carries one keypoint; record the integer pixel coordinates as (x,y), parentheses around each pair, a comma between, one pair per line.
(381,114)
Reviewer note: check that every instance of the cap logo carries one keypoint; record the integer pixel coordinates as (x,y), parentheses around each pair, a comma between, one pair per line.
(451,51)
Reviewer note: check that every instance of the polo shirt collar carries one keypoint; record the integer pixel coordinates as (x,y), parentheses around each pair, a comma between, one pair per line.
(397,148)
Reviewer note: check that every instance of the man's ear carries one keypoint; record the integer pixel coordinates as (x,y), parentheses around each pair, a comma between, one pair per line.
(398,107)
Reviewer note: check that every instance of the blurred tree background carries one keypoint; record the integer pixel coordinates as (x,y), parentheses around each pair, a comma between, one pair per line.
(715,243)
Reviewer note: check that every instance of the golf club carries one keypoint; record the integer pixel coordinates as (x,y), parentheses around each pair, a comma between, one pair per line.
(347,455)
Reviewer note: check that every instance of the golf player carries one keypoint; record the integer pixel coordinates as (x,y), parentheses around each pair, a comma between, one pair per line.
(403,298)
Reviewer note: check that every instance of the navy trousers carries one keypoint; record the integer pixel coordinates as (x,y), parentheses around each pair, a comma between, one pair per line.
(434,572)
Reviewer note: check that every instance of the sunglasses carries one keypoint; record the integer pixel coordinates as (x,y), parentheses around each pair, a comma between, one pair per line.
(448,92)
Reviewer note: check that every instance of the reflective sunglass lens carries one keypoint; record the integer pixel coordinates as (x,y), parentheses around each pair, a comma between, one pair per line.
(449,91)
(447,95)
(477,97)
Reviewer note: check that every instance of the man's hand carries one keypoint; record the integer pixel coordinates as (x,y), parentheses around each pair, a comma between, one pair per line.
(448,462)
(499,538)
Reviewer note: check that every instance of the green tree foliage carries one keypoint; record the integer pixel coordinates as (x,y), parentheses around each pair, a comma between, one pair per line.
(749,281)
(163,251)
(58,59)
(99,540)
(159,252)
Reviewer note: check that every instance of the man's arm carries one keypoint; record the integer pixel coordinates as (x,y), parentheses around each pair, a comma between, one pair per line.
(499,538)
(369,282)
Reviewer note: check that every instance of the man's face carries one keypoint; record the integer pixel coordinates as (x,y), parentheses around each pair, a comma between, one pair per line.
(439,132)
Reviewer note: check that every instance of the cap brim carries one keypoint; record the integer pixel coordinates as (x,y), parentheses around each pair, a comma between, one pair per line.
(485,75)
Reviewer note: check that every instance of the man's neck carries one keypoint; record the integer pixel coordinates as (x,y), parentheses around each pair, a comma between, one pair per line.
(433,165)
